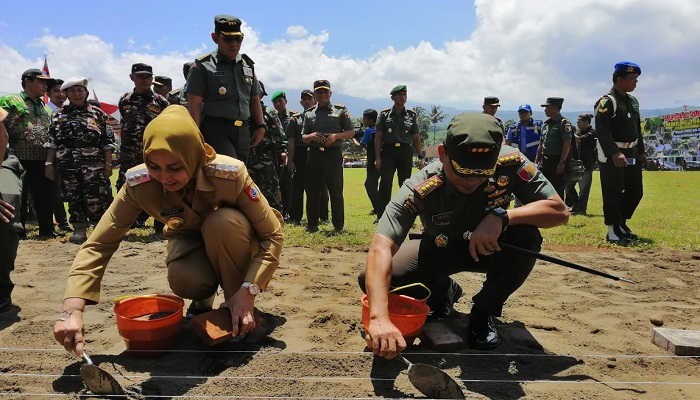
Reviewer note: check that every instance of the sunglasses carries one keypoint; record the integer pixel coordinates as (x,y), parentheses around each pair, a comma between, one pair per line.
(229,39)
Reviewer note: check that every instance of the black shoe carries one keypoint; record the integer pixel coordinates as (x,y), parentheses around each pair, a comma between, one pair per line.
(628,232)
(47,235)
(373,212)
(312,229)
(193,310)
(138,225)
(445,310)
(338,230)
(65,227)
(323,221)
(482,333)
(5,304)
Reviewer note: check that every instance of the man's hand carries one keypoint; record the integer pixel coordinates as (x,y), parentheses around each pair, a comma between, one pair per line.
(6,211)
(49,172)
(241,305)
(561,168)
(484,239)
(258,136)
(329,139)
(291,167)
(384,338)
(421,163)
(285,159)
(378,163)
(108,169)
(619,159)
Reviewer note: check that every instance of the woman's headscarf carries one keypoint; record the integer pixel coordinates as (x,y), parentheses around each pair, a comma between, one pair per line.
(175,132)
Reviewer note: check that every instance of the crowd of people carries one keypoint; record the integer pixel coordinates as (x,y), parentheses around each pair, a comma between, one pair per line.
(220,173)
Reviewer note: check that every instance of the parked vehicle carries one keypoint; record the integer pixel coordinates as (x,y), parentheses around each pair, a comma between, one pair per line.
(692,166)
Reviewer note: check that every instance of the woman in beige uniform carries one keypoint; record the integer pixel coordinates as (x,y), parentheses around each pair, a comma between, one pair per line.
(221,231)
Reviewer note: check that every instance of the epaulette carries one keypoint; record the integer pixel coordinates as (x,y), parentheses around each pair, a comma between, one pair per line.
(339,105)
(386,109)
(511,158)
(411,111)
(225,171)
(174,91)
(424,188)
(204,57)
(247,59)
(293,113)
(137,177)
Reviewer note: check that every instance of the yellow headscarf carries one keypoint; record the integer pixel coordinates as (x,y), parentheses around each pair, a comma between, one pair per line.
(175,132)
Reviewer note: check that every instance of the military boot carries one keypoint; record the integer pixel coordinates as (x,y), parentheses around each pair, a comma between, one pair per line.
(79,235)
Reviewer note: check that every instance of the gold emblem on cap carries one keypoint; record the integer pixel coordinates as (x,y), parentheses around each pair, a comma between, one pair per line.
(222,90)
(468,171)
(502,180)
(175,223)
(441,240)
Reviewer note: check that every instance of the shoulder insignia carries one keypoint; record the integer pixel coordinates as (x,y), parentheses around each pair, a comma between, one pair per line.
(527,171)
(253,192)
(248,59)
(137,177)
(340,105)
(512,158)
(411,111)
(204,57)
(386,110)
(224,171)
(293,113)
(424,188)
(174,91)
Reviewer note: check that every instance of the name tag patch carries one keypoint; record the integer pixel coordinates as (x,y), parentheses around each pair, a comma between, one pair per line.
(172,211)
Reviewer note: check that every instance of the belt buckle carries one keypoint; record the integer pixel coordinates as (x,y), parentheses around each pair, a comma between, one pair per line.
(322,148)
(238,122)
(397,144)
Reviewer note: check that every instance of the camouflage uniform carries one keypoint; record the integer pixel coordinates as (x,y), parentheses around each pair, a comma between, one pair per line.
(178,96)
(264,158)
(137,110)
(81,135)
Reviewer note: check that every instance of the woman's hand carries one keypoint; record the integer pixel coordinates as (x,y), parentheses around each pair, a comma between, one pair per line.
(241,304)
(69,333)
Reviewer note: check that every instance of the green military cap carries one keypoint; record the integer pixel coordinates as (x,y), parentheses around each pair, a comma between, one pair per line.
(472,143)
(279,94)
(396,89)
(307,92)
(322,84)
(491,101)
(553,101)
(162,81)
(227,25)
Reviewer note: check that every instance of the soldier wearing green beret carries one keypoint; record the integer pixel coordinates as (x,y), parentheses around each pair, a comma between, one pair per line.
(223,93)
(555,144)
(462,201)
(396,129)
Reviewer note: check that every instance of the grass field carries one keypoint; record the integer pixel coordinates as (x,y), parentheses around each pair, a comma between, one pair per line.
(667,217)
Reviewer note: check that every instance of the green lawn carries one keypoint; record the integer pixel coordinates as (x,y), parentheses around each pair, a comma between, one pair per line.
(666,217)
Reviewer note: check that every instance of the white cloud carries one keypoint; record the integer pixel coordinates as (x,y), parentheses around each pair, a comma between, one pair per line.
(297,31)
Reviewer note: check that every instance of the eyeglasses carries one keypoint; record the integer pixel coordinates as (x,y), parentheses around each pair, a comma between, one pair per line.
(229,39)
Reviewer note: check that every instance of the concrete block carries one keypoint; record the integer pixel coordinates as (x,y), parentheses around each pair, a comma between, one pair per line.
(680,342)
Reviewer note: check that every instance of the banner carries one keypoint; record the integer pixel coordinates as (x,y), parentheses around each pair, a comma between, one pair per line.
(673,135)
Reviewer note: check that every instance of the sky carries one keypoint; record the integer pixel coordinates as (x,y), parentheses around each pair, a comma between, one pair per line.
(448,52)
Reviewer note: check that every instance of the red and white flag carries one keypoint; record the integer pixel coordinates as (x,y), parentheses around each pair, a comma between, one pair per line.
(45,71)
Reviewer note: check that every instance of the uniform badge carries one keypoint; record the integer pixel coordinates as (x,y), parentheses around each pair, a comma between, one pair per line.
(409,205)
(489,188)
(226,171)
(502,180)
(441,240)
(172,211)
(137,177)
(175,223)
(527,171)
(222,90)
(424,188)
(253,192)
(497,193)
(389,130)
(443,219)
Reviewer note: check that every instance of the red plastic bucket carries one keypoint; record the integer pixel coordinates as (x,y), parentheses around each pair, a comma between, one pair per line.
(406,313)
(149,322)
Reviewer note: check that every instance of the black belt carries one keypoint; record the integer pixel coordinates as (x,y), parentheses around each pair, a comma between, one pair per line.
(397,144)
(322,149)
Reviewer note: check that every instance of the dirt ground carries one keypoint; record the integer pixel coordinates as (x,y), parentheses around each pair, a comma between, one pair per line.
(567,334)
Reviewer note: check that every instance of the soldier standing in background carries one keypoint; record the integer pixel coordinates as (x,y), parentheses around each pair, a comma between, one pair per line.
(57,98)
(279,102)
(178,96)
(369,121)
(555,145)
(223,92)
(80,146)
(162,85)
(137,109)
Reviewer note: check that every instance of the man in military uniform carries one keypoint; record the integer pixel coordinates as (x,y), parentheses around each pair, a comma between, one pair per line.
(178,96)
(396,129)
(296,164)
(620,152)
(369,121)
(525,134)
(80,146)
(279,102)
(137,108)
(462,201)
(162,85)
(555,145)
(27,124)
(265,158)
(10,198)
(223,92)
(490,107)
(325,126)
(586,143)
(57,98)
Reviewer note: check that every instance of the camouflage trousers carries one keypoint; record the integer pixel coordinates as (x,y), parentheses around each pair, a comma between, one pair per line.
(264,174)
(86,189)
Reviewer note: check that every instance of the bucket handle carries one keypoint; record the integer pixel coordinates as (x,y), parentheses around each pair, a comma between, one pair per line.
(148,296)
(412,285)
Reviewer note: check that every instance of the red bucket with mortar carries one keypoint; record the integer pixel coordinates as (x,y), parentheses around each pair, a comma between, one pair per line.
(149,322)
(406,313)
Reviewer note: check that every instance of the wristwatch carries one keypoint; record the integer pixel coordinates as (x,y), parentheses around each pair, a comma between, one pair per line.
(65,314)
(253,289)
(263,126)
(502,214)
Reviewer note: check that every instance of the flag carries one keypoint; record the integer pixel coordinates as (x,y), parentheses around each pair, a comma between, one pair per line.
(45,71)
(106,107)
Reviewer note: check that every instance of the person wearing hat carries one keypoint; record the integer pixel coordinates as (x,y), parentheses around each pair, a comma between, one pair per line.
(80,145)
(10,227)
(178,96)
(462,201)
(296,164)
(27,124)
(525,134)
(324,128)
(162,85)
(396,129)
(223,93)
(620,152)
(369,122)
(221,232)
(57,98)
(137,108)
(490,107)
(555,145)
(279,103)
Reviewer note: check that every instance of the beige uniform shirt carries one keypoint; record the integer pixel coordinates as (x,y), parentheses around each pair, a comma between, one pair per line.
(223,182)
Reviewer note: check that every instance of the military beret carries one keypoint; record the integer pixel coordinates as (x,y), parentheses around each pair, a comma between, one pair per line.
(627,66)
(141,68)
(322,84)
(227,25)
(162,81)
(525,107)
(491,101)
(74,81)
(34,73)
(396,89)
(553,101)
(3,114)
(307,92)
(279,94)
(472,142)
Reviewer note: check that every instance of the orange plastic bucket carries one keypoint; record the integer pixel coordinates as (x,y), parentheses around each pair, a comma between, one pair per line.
(149,322)
(406,313)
